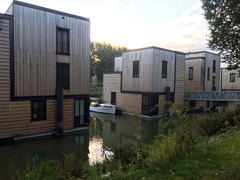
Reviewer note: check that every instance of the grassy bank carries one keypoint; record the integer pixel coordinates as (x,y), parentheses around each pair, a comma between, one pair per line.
(195,147)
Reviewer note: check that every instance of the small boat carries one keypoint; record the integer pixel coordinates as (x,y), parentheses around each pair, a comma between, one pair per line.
(103,108)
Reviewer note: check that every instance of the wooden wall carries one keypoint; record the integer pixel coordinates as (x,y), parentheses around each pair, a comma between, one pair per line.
(35,52)
(159,84)
(209,63)
(225,83)
(198,76)
(144,82)
(15,116)
(180,78)
(117,64)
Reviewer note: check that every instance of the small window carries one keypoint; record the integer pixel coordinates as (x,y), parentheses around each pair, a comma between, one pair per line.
(113,98)
(135,68)
(63,75)
(164,69)
(232,77)
(208,74)
(214,66)
(62,41)
(38,110)
(190,75)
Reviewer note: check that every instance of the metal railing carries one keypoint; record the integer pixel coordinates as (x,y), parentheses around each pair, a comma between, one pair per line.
(230,96)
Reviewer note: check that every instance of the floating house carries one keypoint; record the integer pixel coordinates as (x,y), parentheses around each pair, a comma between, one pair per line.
(44,70)
(202,73)
(144,78)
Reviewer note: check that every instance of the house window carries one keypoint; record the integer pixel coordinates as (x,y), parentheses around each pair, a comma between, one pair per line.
(113,98)
(208,74)
(164,69)
(63,75)
(190,75)
(232,77)
(39,110)
(214,66)
(135,68)
(62,41)
(79,112)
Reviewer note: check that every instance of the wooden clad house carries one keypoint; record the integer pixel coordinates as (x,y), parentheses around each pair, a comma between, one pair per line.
(148,76)
(202,71)
(44,70)
(230,80)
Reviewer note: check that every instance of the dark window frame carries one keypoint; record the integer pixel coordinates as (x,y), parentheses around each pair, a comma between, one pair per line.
(135,69)
(208,74)
(190,76)
(113,98)
(214,66)
(234,77)
(45,110)
(164,69)
(68,41)
(57,81)
(149,107)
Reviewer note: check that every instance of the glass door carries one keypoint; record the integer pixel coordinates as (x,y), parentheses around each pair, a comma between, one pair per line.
(78,112)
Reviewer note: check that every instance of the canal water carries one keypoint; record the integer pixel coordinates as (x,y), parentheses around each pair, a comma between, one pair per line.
(105,132)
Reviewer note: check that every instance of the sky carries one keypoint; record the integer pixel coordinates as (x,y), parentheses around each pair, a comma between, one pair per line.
(172,24)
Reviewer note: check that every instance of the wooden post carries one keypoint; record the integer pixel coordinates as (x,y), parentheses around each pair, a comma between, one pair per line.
(60,100)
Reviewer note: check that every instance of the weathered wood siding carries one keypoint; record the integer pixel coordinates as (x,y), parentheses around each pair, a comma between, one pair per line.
(198,77)
(179,84)
(209,63)
(159,84)
(117,64)
(143,83)
(225,81)
(35,52)
(15,116)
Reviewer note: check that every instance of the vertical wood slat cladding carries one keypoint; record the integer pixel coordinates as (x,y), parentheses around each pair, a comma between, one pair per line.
(15,116)
(35,52)
(225,83)
(179,82)
(196,84)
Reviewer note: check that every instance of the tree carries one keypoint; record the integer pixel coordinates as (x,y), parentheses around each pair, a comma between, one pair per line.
(102,58)
(223,17)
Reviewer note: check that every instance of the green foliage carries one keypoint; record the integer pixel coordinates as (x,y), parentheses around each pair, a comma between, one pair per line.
(223,17)
(96,91)
(181,139)
(102,58)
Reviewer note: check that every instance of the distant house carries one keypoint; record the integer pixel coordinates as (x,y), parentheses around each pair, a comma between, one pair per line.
(43,51)
(230,80)
(145,78)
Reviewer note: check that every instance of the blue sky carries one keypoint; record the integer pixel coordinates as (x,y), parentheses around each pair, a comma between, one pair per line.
(172,24)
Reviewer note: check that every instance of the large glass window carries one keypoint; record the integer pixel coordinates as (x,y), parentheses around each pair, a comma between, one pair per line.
(135,68)
(164,69)
(62,41)
(63,75)
(38,110)
(79,112)
(149,105)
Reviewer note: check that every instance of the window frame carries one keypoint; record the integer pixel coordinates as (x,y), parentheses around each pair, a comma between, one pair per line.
(135,73)
(68,41)
(164,75)
(189,75)
(214,66)
(68,83)
(208,74)
(45,110)
(234,77)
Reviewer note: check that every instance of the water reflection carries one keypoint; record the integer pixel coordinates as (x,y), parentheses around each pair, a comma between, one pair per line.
(105,132)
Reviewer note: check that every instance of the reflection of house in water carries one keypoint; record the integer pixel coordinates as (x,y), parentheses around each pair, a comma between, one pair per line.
(144,78)
(19,154)
(125,128)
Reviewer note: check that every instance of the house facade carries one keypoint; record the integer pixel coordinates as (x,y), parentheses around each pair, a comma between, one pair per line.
(230,80)
(145,79)
(44,70)
(202,73)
